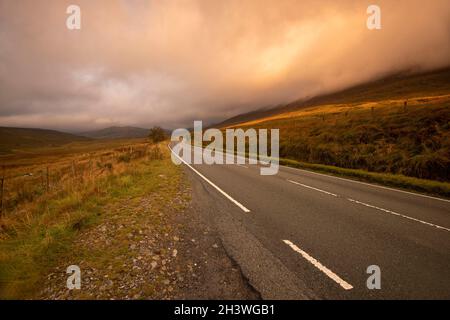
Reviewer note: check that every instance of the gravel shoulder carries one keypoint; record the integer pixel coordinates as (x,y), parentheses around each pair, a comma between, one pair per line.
(156,246)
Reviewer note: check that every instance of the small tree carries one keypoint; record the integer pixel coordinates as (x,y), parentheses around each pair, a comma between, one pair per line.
(157,134)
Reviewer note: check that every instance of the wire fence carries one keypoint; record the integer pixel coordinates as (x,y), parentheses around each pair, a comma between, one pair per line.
(21,184)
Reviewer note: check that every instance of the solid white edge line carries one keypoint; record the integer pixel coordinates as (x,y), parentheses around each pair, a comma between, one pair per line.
(309,187)
(226,195)
(399,214)
(344,284)
(367,184)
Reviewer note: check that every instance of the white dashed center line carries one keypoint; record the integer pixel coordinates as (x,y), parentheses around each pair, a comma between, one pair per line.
(309,187)
(344,284)
(399,215)
(374,207)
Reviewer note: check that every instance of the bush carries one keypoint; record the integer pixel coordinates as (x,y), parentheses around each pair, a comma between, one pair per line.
(157,135)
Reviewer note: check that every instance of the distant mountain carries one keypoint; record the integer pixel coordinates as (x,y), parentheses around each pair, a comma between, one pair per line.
(401,85)
(116,133)
(19,138)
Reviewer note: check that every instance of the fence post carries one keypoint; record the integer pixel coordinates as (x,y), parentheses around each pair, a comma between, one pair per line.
(73,168)
(42,180)
(47,181)
(2,183)
(2,192)
(90,166)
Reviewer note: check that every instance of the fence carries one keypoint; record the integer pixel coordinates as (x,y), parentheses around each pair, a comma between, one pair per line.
(24,184)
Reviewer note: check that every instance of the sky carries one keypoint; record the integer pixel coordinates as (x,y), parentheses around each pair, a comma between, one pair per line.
(168,63)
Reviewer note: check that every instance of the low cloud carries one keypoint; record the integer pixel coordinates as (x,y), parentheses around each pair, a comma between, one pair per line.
(137,62)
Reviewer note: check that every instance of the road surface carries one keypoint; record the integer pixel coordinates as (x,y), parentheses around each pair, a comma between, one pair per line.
(304,235)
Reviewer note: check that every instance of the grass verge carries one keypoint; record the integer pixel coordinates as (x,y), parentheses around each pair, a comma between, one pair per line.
(43,233)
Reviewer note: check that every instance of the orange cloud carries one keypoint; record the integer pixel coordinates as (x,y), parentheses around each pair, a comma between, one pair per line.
(170,62)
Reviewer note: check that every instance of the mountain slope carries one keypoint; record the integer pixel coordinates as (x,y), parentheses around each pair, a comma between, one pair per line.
(19,138)
(370,128)
(398,86)
(117,133)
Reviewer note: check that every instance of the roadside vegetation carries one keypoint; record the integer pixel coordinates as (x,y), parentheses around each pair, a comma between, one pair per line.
(394,132)
(47,205)
(382,137)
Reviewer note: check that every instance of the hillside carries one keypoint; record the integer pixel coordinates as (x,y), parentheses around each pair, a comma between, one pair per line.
(398,86)
(370,128)
(21,138)
(117,133)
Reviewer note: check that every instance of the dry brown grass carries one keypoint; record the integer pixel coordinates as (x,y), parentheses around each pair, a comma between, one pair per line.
(318,111)
(381,137)
(33,182)
(40,219)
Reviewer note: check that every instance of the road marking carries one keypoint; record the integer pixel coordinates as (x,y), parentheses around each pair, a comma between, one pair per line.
(368,184)
(241,165)
(226,195)
(309,187)
(399,215)
(320,266)
(374,207)
(354,181)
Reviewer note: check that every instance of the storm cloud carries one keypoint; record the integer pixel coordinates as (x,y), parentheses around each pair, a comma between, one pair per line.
(142,63)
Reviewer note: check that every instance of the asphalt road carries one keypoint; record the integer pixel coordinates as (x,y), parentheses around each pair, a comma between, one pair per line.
(303,235)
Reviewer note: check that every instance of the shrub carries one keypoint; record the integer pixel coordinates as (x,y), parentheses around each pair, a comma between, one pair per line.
(157,135)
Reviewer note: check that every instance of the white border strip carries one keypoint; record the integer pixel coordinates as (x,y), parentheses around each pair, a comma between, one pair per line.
(344,284)
(226,195)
